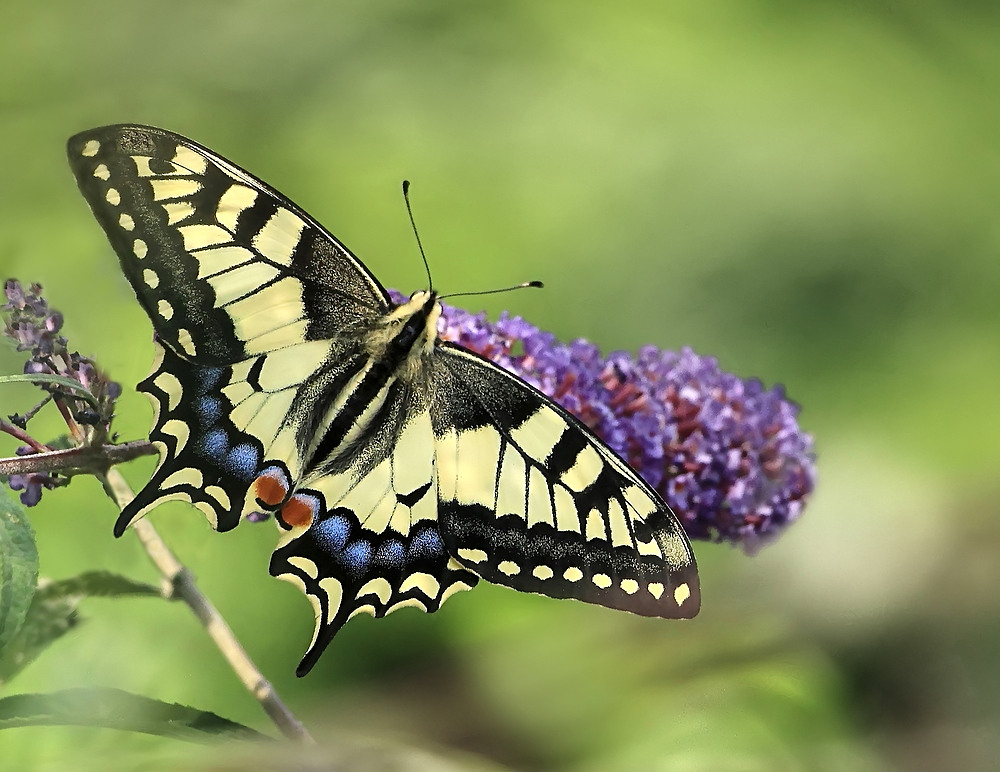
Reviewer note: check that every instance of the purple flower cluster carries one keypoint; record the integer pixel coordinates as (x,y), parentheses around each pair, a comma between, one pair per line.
(725,453)
(35,328)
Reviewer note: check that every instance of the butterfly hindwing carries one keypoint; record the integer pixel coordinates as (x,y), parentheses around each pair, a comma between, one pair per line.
(217,426)
(375,545)
(530,499)
(245,292)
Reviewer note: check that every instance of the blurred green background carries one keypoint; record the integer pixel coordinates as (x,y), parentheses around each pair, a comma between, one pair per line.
(809,191)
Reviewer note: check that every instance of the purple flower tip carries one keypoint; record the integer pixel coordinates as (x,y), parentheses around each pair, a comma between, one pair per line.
(28,320)
(725,453)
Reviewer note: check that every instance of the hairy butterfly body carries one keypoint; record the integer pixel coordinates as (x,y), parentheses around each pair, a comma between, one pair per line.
(400,468)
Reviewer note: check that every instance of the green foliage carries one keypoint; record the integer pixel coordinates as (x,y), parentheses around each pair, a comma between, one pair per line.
(115,709)
(18,572)
(53,612)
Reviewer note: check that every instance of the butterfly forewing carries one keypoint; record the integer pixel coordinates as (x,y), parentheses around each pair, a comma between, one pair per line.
(401,469)
(530,499)
(225,266)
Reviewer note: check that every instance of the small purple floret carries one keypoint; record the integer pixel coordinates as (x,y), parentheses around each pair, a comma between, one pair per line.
(725,453)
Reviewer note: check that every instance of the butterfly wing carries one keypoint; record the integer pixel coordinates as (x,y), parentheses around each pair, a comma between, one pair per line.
(225,266)
(253,304)
(532,500)
(375,546)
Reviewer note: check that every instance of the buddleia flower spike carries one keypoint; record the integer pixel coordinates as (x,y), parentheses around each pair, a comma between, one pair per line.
(726,453)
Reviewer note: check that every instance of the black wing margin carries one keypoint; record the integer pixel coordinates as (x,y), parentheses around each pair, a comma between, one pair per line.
(530,499)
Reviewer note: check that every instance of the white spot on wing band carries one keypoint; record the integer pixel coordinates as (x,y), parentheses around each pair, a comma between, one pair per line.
(186,342)
(232,204)
(509,567)
(572,574)
(279,237)
(542,572)
(164,190)
(185,476)
(305,565)
(601,580)
(334,591)
(178,211)
(539,433)
(473,556)
(585,470)
(378,587)
(426,583)
(168,383)
(220,496)
(189,160)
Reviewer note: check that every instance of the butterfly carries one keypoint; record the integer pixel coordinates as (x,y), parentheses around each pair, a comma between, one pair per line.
(400,468)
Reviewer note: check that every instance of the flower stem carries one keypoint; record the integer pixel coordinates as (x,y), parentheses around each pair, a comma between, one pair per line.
(70,461)
(182,585)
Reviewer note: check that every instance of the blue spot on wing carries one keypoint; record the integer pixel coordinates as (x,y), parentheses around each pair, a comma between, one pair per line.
(390,553)
(209,410)
(357,556)
(208,378)
(331,533)
(426,543)
(214,444)
(242,461)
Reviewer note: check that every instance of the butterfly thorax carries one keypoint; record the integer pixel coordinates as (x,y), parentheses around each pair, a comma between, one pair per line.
(402,340)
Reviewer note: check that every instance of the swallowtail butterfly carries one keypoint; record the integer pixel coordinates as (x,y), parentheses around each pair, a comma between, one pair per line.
(400,468)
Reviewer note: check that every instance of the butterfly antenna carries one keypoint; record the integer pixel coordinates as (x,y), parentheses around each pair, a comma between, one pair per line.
(522,285)
(413,224)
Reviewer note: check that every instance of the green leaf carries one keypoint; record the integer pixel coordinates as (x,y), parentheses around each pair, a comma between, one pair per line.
(95,584)
(18,568)
(47,620)
(76,388)
(53,612)
(116,709)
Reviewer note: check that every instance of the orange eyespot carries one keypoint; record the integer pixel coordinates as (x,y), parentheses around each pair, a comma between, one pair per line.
(299,511)
(269,490)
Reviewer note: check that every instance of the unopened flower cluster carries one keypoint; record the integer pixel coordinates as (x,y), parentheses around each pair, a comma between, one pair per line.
(35,328)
